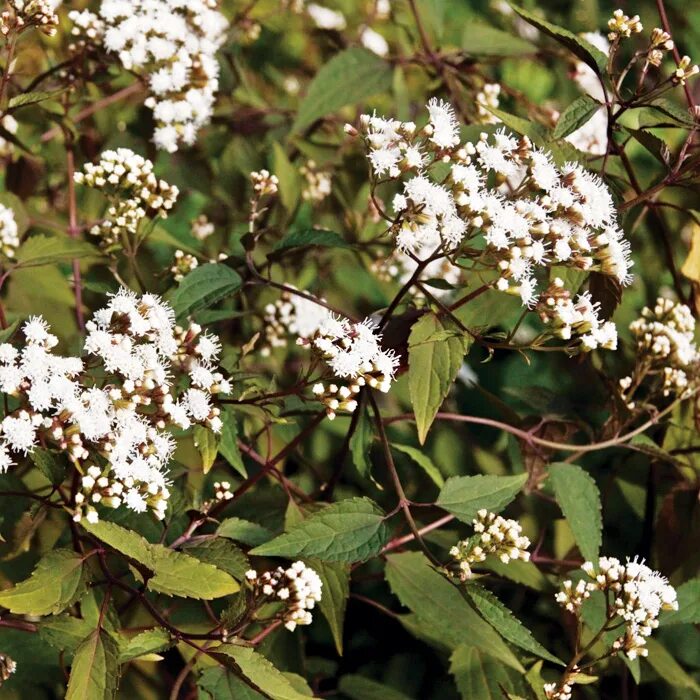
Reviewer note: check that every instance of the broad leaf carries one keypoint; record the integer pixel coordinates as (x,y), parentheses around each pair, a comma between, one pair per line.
(432,368)
(220,683)
(221,552)
(503,620)
(579,499)
(144,643)
(49,465)
(349,77)
(49,250)
(465,496)
(95,670)
(244,531)
(351,530)
(205,286)
(309,237)
(64,632)
(575,116)
(481,675)
(336,590)
(57,582)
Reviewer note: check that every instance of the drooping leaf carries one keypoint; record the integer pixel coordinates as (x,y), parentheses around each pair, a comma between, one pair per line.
(95,670)
(503,620)
(349,77)
(347,531)
(207,444)
(464,496)
(205,286)
(575,116)
(259,671)
(58,581)
(579,499)
(334,600)
(175,573)
(423,461)
(432,368)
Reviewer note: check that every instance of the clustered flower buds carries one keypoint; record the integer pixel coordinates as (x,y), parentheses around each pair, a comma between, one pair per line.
(665,349)
(112,420)
(486,100)
(575,319)
(174,44)
(660,41)
(529,213)
(222,491)
(621,26)
(9,234)
(686,69)
(183,264)
(7,667)
(32,13)
(201,228)
(128,181)
(264,183)
(494,535)
(318,182)
(298,588)
(635,593)
(9,124)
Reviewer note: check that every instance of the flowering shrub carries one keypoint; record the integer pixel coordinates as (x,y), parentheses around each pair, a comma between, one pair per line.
(349,350)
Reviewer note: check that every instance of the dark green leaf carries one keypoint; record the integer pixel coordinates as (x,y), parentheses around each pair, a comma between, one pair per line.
(575,116)
(205,286)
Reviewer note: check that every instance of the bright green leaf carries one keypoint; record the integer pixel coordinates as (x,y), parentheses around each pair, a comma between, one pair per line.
(423,461)
(464,496)
(95,670)
(49,250)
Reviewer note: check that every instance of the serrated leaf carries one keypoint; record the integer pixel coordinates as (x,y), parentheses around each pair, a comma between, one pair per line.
(222,684)
(464,496)
(64,632)
(423,461)
(175,573)
(437,603)
(505,623)
(205,286)
(688,605)
(95,670)
(48,464)
(575,116)
(260,672)
(49,250)
(432,368)
(57,581)
(589,54)
(336,590)
(244,531)
(222,553)
(578,496)
(360,688)
(351,76)
(146,642)
(482,675)
(228,443)
(30,98)
(351,530)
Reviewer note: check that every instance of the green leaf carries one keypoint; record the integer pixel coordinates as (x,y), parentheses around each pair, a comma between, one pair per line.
(483,40)
(423,461)
(438,604)
(361,443)
(669,669)
(481,675)
(175,573)
(260,672)
(205,286)
(582,49)
(30,98)
(49,250)
(688,605)
(351,76)
(64,632)
(207,444)
(228,444)
(336,590)
(48,464)
(146,642)
(671,109)
(360,688)
(310,236)
(432,368)
(95,670)
(577,495)
(222,684)
(222,553)
(575,116)
(465,496)
(350,530)
(244,531)
(526,127)
(289,182)
(504,622)
(57,582)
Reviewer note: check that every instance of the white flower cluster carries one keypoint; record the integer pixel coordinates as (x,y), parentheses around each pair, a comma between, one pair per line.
(636,594)
(112,417)
(665,347)
(530,213)
(174,44)
(201,228)
(579,318)
(622,27)
(9,233)
(293,315)
(128,181)
(487,99)
(264,183)
(495,535)
(9,123)
(30,13)
(298,588)
(183,264)
(318,182)
(325,18)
